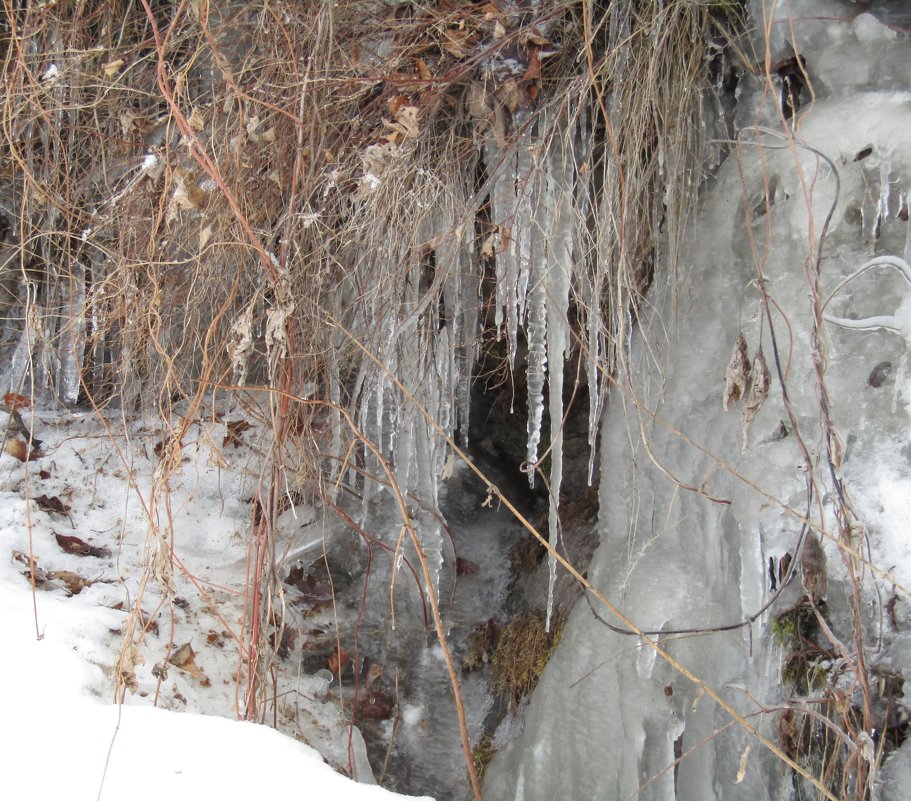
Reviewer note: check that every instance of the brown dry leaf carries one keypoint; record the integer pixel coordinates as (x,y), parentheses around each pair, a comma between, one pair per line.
(374,673)
(16,402)
(510,94)
(17,449)
(423,70)
(196,120)
(184,657)
(205,236)
(408,117)
(813,570)
(836,449)
(127,659)
(233,431)
(737,373)
(457,42)
(73,581)
(489,248)
(187,196)
(34,573)
(760,381)
(78,547)
(112,67)
(52,505)
(478,105)
(499,31)
(338,659)
(533,70)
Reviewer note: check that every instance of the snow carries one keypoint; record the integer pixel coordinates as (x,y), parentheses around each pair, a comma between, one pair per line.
(65,737)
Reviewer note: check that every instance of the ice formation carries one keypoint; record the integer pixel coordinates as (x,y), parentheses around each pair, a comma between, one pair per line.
(688,521)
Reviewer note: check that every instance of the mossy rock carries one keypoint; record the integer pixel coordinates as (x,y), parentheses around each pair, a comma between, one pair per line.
(798,622)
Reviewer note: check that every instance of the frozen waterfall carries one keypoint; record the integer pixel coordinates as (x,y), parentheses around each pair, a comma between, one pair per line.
(690,518)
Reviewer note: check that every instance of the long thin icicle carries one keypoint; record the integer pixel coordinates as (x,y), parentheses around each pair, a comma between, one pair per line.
(558,277)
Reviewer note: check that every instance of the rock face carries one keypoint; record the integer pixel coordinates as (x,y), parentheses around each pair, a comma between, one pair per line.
(692,510)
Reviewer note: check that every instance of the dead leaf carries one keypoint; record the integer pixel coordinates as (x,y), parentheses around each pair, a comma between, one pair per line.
(465,567)
(760,381)
(737,373)
(15,401)
(836,449)
(788,737)
(498,30)
(489,248)
(509,94)
(127,660)
(196,120)
(34,574)
(73,581)
(112,67)
(376,706)
(406,123)
(338,659)
(52,505)
(233,431)
(17,449)
(478,105)
(184,658)
(205,236)
(374,673)
(533,70)
(78,547)
(813,569)
(423,70)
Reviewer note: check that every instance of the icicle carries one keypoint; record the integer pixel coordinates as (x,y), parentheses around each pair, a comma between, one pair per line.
(502,200)
(335,419)
(72,338)
(467,341)
(536,333)
(558,278)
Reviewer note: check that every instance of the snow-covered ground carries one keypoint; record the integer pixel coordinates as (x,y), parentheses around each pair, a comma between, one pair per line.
(177,735)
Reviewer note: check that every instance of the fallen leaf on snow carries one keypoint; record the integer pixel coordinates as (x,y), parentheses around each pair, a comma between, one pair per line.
(73,581)
(52,505)
(78,547)
(184,657)
(233,431)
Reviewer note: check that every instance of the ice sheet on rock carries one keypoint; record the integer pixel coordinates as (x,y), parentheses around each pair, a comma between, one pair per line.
(603,728)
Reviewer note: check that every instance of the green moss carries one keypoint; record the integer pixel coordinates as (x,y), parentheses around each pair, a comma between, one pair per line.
(805,674)
(798,622)
(482,753)
(522,653)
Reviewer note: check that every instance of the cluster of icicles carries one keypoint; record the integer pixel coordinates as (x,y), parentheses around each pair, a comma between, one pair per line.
(430,347)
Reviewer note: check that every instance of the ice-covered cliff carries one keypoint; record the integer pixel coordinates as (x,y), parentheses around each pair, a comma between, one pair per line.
(699,505)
